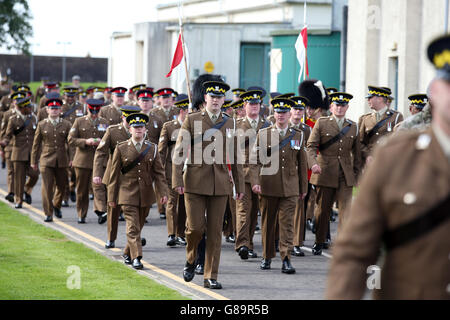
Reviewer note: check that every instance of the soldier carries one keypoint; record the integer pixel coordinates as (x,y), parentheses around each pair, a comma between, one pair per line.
(166,112)
(114,135)
(280,180)
(52,152)
(247,208)
(86,134)
(155,124)
(20,133)
(238,108)
(175,212)
(135,165)
(40,92)
(107,94)
(390,98)
(377,124)
(264,111)
(417,102)
(50,87)
(403,205)
(76,81)
(206,182)
(297,114)
(236,93)
(8,147)
(335,169)
(70,111)
(112,112)
(226,108)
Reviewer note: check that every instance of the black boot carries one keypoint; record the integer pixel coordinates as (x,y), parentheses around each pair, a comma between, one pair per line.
(317,249)
(287,266)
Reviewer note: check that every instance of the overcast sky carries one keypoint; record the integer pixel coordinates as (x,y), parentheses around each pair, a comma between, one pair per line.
(86,24)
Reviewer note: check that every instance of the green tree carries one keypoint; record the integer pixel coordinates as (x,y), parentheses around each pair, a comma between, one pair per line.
(15,27)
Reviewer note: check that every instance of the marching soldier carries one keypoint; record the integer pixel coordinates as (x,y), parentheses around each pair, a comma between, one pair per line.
(51,151)
(206,182)
(112,112)
(236,93)
(279,175)
(8,147)
(70,111)
(20,133)
(155,124)
(107,94)
(403,205)
(238,108)
(336,168)
(264,111)
(135,165)
(247,208)
(417,103)
(114,135)
(377,124)
(50,87)
(297,113)
(132,94)
(86,134)
(166,112)
(175,212)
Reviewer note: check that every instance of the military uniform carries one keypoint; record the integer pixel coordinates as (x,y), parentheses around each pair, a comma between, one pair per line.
(111,114)
(206,187)
(83,129)
(20,133)
(132,189)
(175,211)
(51,151)
(340,163)
(7,150)
(114,135)
(279,190)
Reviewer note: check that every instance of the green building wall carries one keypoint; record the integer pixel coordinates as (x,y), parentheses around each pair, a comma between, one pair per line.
(323,59)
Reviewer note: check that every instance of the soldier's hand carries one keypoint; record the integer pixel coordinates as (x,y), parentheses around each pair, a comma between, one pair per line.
(97,180)
(180,190)
(90,141)
(256,189)
(2,143)
(240,196)
(34,167)
(70,164)
(316,169)
(112,204)
(163,200)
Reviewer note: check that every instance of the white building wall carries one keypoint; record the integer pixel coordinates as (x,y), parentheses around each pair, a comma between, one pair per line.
(121,62)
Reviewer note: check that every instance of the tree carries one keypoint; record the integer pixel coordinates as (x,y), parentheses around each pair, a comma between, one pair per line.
(15,27)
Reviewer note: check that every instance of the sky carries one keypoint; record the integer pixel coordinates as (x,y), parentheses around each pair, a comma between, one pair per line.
(86,24)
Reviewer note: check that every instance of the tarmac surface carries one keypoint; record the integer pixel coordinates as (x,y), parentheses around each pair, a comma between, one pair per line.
(241,279)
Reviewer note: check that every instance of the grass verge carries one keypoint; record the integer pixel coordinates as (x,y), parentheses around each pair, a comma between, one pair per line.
(40,263)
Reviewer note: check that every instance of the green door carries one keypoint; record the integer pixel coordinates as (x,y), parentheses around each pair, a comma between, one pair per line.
(255,65)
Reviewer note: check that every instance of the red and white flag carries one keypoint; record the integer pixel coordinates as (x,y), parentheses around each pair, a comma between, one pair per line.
(177,57)
(301,46)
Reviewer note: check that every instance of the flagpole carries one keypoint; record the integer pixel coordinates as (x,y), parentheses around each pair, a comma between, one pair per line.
(188,82)
(306,49)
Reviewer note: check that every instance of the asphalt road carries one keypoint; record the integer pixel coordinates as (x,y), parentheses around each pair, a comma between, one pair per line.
(241,280)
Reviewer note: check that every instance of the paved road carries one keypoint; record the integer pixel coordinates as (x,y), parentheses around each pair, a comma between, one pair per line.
(241,280)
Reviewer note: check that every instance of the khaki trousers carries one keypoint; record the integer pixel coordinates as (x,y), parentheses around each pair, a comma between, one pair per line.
(50,177)
(113,222)
(246,218)
(10,168)
(22,169)
(283,209)
(204,214)
(83,176)
(100,202)
(299,223)
(324,204)
(175,214)
(70,185)
(230,217)
(311,202)
(135,220)
(161,207)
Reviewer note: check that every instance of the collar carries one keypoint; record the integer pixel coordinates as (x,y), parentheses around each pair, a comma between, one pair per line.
(135,142)
(250,120)
(210,114)
(295,125)
(443,139)
(382,111)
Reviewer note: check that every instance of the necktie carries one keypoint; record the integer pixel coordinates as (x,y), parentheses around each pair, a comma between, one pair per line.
(254,124)
(282,133)
(214,118)
(138,147)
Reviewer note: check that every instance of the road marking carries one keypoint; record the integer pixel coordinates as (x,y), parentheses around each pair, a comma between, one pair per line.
(146,264)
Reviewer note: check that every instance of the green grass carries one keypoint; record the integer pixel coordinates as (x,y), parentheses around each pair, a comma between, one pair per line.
(34,263)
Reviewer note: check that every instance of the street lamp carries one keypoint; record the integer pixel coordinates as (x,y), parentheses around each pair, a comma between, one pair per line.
(64,43)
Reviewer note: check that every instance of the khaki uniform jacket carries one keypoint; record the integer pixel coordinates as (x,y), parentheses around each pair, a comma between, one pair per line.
(42,114)
(159,112)
(246,141)
(200,177)
(166,145)
(154,127)
(114,135)
(345,153)
(111,114)
(367,122)
(77,113)
(83,129)
(50,145)
(135,188)
(5,120)
(291,177)
(409,176)
(22,142)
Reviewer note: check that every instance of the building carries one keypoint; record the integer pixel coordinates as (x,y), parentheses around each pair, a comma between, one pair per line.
(387,42)
(247,42)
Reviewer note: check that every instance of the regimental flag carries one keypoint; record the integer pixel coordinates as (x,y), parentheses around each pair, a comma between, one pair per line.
(301,46)
(177,57)
(177,66)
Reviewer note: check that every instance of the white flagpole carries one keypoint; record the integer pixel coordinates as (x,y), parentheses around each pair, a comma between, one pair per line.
(306,49)
(188,82)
